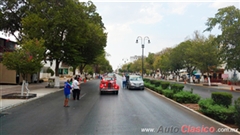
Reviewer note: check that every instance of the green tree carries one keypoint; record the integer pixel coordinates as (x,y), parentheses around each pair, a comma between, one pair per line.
(150,60)
(156,62)
(30,54)
(95,36)
(158,57)
(228,21)
(102,64)
(205,53)
(184,49)
(72,30)
(136,66)
(11,14)
(25,60)
(165,64)
(176,59)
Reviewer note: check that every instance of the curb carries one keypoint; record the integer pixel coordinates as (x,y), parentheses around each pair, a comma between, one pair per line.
(25,101)
(192,84)
(191,110)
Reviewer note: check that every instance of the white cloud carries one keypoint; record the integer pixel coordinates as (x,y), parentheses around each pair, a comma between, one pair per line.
(222,4)
(150,14)
(178,7)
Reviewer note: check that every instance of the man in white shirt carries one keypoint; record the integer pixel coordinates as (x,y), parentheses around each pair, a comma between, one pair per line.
(76,88)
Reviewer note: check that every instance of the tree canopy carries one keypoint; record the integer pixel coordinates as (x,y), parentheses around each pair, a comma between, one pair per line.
(27,59)
(73,31)
(228,20)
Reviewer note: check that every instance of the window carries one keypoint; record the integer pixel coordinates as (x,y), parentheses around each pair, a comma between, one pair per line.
(136,78)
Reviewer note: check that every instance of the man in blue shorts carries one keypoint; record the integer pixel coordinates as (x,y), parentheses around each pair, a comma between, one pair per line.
(67,92)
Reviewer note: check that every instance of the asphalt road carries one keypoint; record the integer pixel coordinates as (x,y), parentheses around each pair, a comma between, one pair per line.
(131,112)
(206,91)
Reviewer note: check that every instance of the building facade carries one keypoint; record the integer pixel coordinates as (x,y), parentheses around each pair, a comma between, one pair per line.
(134,58)
(8,76)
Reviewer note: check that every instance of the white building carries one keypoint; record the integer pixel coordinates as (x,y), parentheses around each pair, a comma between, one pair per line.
(64,70)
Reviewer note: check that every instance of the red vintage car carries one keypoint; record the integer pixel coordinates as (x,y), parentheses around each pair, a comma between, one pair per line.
(108,84)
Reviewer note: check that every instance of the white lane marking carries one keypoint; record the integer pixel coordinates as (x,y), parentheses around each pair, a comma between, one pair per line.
(82,95)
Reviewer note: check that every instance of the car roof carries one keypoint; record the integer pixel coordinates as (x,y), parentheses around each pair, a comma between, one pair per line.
(108,78)
(135,76)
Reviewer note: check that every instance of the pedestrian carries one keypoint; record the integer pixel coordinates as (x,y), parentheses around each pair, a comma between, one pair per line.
(124,81)
(67,92)
(71,81)
(76,88)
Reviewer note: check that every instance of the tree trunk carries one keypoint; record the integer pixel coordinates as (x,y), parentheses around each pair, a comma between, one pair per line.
(38,77)
(81,67)
(208,78)
(22,89)
(23,83)
(57,80)
(74,70)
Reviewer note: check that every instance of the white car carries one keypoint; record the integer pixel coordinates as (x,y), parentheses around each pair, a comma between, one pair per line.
(135,82)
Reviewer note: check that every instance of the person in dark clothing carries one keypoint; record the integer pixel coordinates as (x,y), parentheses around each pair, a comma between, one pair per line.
(76,89)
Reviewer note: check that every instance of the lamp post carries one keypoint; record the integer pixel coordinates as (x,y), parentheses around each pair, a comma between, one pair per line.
(143,43)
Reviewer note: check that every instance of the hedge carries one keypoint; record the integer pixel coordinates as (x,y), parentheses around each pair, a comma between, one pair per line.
(151,86)
(146,84)
(153,81)
(176,87)
(237,112)
(168,93)
(165,85)
(186,97)
(204,103)
(159,90)
(222,98)
(217,112)
(158,83)
(146,80)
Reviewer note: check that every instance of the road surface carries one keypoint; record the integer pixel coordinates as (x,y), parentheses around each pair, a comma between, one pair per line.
(131,112)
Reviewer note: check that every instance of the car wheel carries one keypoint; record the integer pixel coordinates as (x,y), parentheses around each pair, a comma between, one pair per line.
(101,92)
(116,92)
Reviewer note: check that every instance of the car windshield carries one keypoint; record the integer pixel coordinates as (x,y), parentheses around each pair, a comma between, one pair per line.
(110,74)
(108,78)
(136,78)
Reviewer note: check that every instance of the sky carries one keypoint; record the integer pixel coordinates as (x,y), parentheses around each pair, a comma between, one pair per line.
(165,23)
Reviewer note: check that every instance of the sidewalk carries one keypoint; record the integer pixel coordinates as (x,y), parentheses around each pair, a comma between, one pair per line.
(38,89)
(35,88)
(217,85)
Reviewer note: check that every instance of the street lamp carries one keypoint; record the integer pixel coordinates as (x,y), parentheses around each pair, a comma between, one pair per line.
(143,43)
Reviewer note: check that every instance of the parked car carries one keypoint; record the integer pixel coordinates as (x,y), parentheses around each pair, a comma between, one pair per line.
(135,82)
(108,84)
